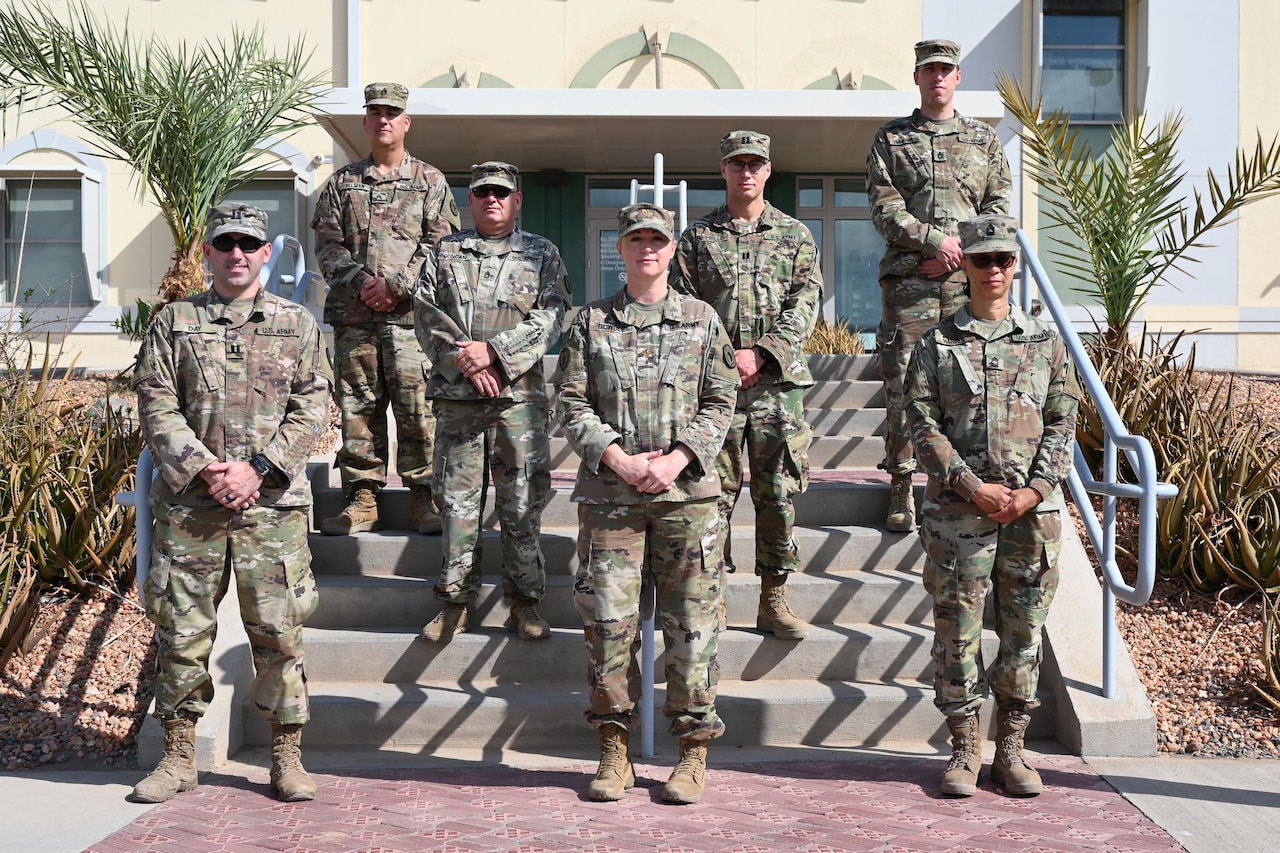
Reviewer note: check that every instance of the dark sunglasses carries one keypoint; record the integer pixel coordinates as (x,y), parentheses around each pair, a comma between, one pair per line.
(1003,261)
(248,245)
(496,192)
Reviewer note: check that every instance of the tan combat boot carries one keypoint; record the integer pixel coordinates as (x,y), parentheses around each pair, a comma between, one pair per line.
(526,622)
(1010,768)
(452,619)
(422,511)
(616,773)
(902,505)
(960,779)
(177,768)
(689,774)
(360,515)
(774,614)
(289,780)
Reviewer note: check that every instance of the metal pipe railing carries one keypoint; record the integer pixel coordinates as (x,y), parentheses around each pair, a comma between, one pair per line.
(1147,490)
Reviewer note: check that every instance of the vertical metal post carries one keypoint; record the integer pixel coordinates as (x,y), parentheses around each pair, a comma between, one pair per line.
(1110,636)
(140,500)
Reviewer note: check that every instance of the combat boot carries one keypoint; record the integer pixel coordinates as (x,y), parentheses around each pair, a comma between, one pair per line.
(422,512)
(289,780)
(960,779)
(452,619)
(616,773)
(360,515)
(525,621)
(1010,768)
(177,768)
(902,505)
(689,774)
(773,613)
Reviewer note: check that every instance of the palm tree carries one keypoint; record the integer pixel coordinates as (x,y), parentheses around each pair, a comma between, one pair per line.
(1128,221)
(187,119)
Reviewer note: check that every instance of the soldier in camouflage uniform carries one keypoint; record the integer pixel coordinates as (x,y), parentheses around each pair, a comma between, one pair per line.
(991,397)
(233,391)
(489,305)
(759,269)
(646,385)
(375,222)
(925,174)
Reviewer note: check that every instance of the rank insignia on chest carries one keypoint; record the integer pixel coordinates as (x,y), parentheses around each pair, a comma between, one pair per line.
(235,350)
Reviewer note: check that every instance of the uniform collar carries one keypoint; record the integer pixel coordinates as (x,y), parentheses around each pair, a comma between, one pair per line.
(672,310)
(721,218)
(371,172)
(921,122)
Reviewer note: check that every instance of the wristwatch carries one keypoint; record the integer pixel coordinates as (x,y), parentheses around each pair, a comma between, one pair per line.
(262,465)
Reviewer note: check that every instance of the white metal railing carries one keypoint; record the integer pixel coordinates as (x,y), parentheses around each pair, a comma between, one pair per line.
(1147,490)
(648,594)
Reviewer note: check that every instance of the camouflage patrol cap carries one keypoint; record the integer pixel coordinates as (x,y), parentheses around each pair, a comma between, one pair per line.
(494,173)
(990,233)
(387,94)
(937,50)
(235,218)
(633,217)
(744,142)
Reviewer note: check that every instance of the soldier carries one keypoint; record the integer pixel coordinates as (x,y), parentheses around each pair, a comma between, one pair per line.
(759,269)
(375,222)
(233,391)
(646,385)
(991,398)
(489,305)
(925,173)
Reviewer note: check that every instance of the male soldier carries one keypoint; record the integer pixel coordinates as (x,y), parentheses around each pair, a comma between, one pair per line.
(375,222)
(925,173)
(759,269)
(489,305)
(232,393)
(991,398)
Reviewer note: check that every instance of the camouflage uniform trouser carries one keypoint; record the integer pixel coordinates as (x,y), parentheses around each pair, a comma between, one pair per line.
(675,547)
(1020,560)
(509,439)
(378,365)
(769,421)
(194,553)
(909,307)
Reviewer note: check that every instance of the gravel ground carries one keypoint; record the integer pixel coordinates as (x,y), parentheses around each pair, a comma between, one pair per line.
(78,692)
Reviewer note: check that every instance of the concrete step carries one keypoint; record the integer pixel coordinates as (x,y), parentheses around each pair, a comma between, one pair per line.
(540,718)
(396,552)
(823,504)
(396,656)
(883,594)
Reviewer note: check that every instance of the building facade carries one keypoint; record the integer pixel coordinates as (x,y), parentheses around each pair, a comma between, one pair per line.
(581,94)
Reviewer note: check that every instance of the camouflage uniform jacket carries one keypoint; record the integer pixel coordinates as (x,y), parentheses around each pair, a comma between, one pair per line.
(925,177)
(765,283)
(215,385)
(650,388)
(512,294)
(991,411)
(368,225)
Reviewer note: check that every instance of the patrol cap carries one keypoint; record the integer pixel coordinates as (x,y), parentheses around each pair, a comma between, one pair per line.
(744,142)
(633,217)
(937,50)
(387,94)
(494,173)
(235,218)
(990,233)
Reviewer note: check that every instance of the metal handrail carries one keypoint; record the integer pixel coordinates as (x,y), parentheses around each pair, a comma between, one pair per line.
(1147,490)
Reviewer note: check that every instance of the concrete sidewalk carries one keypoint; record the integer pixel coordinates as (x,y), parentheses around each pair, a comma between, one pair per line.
(756,800)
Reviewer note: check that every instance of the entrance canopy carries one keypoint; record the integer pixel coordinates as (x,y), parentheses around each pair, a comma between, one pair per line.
(619,130)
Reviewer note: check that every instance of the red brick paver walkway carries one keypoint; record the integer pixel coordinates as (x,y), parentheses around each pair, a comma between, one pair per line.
(796,806)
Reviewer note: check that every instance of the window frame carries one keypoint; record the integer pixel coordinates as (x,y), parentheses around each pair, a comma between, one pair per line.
(828,214)
(1128,50)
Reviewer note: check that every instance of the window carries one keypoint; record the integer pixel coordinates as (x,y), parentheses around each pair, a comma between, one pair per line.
(1084,59)
(44,261)
(278,198)
(837,212)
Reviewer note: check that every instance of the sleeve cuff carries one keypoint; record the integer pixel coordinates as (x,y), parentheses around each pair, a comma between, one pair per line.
(1042,487)
(933,241)
(967,484)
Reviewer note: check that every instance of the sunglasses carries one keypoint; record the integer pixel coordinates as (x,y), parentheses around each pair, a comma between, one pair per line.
(752,166)
(496,192)
(1003,261)
(248,245)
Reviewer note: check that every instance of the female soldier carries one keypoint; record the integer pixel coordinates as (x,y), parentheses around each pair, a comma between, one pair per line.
(646,388)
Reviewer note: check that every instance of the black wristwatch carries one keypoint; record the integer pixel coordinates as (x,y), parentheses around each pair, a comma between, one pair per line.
(263,466)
